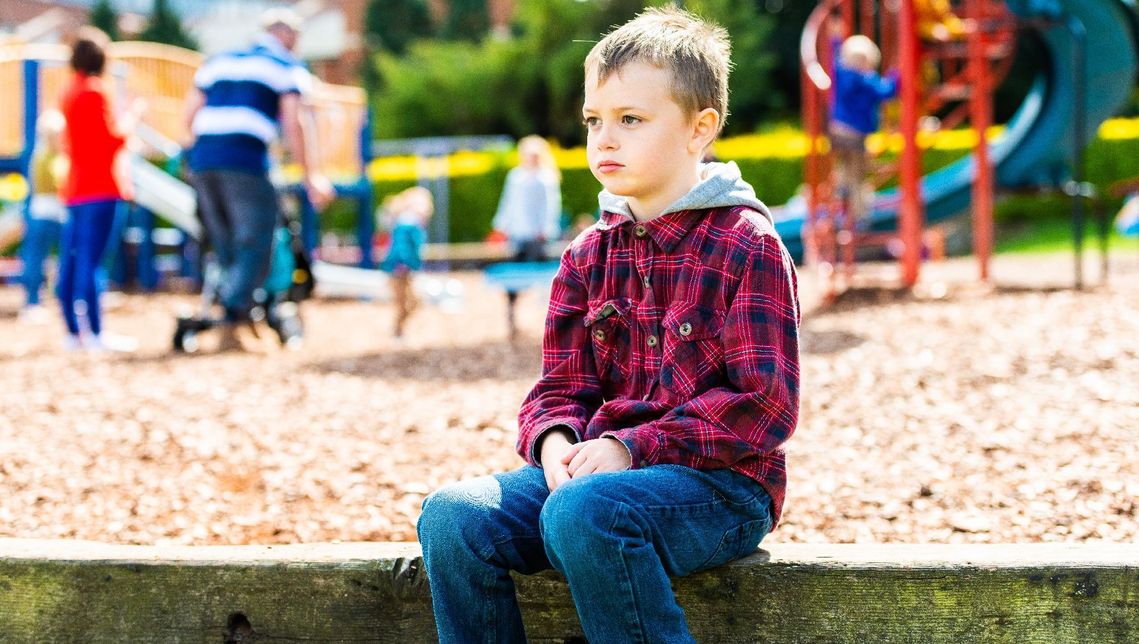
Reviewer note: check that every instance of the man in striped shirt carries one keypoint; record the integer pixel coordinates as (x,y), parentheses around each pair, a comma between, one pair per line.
(241,100)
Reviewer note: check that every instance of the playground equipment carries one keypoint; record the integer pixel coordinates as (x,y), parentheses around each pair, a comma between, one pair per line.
(515,277)
(163,75)
(1042,145)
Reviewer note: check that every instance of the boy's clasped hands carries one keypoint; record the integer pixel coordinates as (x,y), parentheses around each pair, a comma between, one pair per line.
(563,460)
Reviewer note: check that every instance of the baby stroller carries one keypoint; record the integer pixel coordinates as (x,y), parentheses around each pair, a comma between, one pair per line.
(290,282)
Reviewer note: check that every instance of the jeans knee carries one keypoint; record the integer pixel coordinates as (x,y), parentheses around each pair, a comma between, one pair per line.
(452,519)
(577,522)
(439,511)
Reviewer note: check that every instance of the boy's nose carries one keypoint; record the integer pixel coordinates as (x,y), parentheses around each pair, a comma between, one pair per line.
(604,139)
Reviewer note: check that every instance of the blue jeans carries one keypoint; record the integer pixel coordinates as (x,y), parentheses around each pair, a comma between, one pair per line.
(84,241)
(616,536)
(240,211)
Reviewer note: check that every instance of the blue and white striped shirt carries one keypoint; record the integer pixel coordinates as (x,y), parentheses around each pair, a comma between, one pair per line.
(240,116)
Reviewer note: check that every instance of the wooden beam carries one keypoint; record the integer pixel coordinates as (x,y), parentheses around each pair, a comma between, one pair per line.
(68,591)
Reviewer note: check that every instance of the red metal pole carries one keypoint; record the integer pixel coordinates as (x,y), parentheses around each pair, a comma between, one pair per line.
(888,26)
(981,113)
(811,131)
(910,211)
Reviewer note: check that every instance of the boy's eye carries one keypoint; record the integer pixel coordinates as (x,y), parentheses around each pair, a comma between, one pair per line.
(629,119)
(591,121)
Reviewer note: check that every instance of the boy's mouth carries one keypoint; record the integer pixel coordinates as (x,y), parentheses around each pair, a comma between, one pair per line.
(605,167)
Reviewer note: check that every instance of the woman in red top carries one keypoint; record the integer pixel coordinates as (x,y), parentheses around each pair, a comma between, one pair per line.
(91,191)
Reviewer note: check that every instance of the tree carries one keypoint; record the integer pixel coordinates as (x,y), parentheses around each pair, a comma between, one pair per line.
(165,26)
(790,18)
(751,97)
(466,20)
(533,82)
(104,17)
(391,26)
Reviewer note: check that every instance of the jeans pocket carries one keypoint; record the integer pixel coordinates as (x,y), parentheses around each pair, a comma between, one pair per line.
(739,541)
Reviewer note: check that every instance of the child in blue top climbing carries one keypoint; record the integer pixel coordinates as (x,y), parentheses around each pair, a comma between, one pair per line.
(858,92)
(407,213)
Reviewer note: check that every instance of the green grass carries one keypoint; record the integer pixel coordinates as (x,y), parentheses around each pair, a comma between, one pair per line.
(1052,235)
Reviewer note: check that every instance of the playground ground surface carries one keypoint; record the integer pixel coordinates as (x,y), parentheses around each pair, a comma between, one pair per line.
(955,414)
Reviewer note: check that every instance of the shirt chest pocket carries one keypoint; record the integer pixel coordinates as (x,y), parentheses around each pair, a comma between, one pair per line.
(693,357)
(608,325)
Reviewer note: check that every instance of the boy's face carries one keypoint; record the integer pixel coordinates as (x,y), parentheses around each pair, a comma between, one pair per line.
(641,144)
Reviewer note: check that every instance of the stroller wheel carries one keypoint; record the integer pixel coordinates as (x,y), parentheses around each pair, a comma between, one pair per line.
(185,341)
(285,319)
(290,330)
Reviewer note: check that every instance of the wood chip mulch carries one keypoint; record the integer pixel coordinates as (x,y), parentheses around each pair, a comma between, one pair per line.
(956,413)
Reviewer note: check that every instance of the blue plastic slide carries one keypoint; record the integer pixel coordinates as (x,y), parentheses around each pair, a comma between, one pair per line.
(1037,146)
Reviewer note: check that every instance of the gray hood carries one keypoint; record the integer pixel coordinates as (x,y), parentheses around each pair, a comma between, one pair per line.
(721,186)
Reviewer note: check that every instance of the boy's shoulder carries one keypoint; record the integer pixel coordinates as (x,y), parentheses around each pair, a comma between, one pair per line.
(747,222)
(739,232)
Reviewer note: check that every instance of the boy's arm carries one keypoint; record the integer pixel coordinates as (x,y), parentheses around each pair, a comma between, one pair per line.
(553,215)
(887,86)
(501,222)
(569,392)
(758,409)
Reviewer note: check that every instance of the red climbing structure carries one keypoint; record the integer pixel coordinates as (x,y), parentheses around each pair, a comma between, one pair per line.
(950,57)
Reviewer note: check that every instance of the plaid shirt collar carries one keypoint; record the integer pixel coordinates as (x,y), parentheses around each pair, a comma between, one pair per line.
(666,231)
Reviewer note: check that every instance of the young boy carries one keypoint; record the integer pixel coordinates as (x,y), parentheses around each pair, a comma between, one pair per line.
(670,374)
(858,94)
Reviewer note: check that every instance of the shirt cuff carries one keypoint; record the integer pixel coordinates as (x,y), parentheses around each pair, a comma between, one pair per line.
(639,455)
(545,428)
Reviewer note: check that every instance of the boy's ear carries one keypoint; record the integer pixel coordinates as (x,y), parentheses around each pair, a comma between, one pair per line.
(705,127)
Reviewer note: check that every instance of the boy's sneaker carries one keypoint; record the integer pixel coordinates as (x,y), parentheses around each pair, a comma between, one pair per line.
(111,343)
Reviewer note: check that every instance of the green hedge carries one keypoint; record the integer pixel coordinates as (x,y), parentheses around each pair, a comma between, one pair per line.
(473,198)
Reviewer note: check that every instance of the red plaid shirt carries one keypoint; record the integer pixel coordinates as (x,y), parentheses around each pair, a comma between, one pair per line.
(679,337)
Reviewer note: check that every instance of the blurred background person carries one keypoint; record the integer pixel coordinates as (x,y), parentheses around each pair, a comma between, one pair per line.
(859,91)
(43,221)
(240,100)
(92,192)
(530,209)
(936,21)
(406,214)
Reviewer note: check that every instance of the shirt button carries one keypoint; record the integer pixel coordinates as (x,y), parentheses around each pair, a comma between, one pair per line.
(685,329)
(599,335)
(639,230)
(645,280)
(652,341)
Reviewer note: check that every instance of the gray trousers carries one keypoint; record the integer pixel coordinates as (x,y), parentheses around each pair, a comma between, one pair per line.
(240,211)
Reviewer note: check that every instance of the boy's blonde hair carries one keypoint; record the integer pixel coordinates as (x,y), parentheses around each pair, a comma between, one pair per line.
(696,52)
(534,144)
(859,52)
(416,199)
